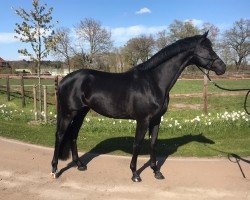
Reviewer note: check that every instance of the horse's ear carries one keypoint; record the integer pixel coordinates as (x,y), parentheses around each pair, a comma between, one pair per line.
(205,34)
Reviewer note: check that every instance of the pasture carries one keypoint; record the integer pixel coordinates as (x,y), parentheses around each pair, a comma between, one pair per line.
(226,125)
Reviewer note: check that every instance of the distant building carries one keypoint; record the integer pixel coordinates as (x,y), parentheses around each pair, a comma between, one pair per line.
(4,63)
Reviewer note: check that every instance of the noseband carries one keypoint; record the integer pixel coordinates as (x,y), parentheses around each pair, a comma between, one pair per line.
(210,61)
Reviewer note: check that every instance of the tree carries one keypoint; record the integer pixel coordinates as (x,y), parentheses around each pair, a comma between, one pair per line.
(94,36)
(63,46)
(213,31)
(237,39)
(162,40)
(179,30)
(138,49)
(37,30)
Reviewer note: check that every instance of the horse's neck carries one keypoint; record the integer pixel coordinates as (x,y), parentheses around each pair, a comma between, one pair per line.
(168,72)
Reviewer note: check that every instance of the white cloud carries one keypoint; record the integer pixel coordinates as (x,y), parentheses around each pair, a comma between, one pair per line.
(22,57)
(7,38)
(195,22)
(143,11)
(121,35)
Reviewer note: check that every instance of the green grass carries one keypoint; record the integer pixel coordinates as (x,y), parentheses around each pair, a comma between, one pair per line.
(27,81)
(196,86)
(111,136)
(106,135)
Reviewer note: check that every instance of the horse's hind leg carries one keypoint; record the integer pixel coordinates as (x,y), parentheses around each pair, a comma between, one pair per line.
(74,130)
(141,129)
(63,125)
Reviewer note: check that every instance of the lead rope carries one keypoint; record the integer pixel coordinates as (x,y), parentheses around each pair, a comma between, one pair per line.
(227,89)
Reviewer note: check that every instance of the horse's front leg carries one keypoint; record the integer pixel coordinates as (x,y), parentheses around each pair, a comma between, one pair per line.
(153,132)
(141,129)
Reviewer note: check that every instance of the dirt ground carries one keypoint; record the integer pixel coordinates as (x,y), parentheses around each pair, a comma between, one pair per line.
(25,174)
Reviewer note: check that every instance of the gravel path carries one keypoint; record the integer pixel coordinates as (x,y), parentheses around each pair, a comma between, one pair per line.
(25,174)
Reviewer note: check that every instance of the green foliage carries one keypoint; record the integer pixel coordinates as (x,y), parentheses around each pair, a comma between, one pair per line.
(179,30)
(36,29)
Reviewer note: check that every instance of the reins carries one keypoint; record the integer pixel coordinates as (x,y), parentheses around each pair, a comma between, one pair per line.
(227,89)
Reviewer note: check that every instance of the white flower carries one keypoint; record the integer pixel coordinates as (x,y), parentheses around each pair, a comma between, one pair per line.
(87,120)
(114,123)
(55,116)
(99,119)
(197,118)
(176,123)
(120,121)
(129,120)
(170,125)
(50,113)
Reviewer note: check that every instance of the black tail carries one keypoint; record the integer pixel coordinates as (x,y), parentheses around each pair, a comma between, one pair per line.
(64,150)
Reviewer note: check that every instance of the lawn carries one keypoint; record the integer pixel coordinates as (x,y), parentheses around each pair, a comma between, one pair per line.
(183,132)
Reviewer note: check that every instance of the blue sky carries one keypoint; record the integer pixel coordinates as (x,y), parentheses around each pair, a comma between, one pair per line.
(124,18)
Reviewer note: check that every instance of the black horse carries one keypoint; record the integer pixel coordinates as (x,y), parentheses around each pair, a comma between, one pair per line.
(141,93)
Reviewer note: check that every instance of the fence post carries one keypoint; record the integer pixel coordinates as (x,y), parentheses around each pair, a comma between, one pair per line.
(45,103)
(56,87)
(22,92)
(205,93)
(35,101)
(8,87)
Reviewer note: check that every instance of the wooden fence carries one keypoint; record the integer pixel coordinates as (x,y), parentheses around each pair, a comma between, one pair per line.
(21,90)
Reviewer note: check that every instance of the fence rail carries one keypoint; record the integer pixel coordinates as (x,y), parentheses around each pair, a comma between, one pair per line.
(24,91)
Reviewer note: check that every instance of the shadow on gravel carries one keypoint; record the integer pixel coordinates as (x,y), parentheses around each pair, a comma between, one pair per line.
(165,148)
(234,158)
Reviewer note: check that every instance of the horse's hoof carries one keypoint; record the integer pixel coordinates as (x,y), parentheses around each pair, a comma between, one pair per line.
(136,178)
(158,175)
(53,175)
(82,168)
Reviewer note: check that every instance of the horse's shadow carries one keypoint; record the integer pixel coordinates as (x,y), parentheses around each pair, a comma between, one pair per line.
(165,148)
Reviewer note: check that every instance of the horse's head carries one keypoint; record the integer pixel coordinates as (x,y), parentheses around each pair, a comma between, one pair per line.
(202,139)
(205,57)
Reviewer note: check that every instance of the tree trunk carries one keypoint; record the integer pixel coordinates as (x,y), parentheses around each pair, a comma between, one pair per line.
(39,87)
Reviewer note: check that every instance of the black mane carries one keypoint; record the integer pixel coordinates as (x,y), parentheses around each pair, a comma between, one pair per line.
(168,52)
